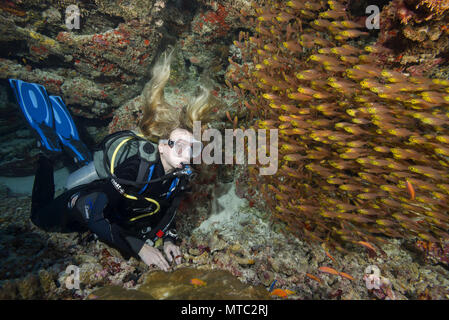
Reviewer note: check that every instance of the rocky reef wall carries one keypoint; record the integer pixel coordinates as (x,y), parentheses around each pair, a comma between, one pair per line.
(100,68)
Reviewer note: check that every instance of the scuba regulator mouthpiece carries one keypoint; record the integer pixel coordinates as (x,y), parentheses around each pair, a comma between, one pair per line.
(185,171)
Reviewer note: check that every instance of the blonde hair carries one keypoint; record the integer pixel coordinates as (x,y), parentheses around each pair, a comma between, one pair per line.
(160,118)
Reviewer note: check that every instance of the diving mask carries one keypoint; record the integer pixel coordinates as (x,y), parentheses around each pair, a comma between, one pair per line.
(185,148)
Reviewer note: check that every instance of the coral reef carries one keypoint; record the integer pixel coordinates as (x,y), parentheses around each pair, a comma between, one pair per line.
(417,33)
(213,284)
(434,252)
(363,149)
(100,69)
(97,67)
(437,7)
(246,246)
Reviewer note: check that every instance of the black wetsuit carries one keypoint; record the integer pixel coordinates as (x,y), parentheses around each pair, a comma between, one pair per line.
(100,208)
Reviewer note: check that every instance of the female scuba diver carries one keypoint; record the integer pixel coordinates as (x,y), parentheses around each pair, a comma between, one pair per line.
(128,191)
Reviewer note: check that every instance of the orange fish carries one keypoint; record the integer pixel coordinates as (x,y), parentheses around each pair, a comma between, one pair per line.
(197,282)
(367,245)
(347,276)
(410,189)
(328,270)
(323,245)
(283,293)
(330,257)
(311,276)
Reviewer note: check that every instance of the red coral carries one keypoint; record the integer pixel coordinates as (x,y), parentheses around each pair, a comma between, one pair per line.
(107,261)
(216,18)
(41,50)
(62,36)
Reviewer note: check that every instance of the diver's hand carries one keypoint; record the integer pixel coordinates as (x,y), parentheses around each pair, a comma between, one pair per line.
(152,256)
(172,251)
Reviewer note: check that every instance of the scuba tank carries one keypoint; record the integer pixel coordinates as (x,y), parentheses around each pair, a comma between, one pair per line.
(83,175)
(114,150)
(99,168)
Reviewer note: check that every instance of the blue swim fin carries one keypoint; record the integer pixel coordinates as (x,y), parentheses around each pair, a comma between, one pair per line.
(67,132)
(36,107)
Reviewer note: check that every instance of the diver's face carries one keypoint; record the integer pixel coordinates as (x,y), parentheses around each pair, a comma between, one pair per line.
(177,150)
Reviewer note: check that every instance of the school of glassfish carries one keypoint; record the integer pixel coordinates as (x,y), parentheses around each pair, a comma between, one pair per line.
(364,149)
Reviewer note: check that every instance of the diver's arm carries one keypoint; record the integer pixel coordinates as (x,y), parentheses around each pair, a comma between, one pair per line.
(112,235)
(136,244)
(129,245)
(92,206)
(132,246)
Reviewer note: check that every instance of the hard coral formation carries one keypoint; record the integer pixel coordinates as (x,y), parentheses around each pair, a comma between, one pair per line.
(95,68)
(249,249)
(416,31)
(434,252)
(436,6)
(205,45)
(364,150)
